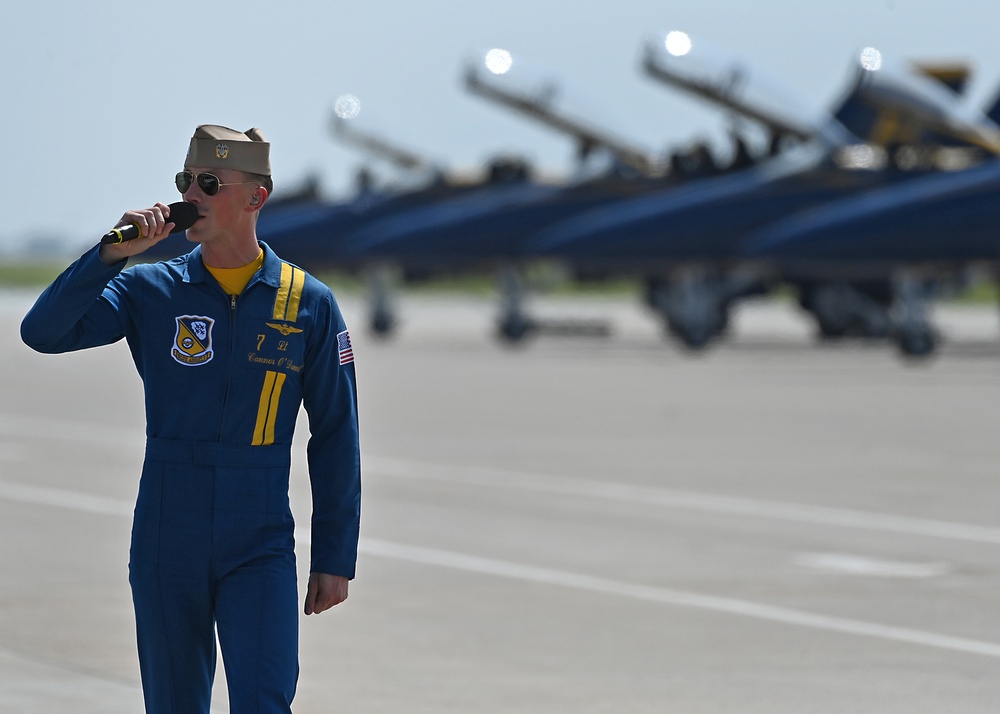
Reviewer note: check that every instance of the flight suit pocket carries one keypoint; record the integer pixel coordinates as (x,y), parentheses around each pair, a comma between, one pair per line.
(252,512)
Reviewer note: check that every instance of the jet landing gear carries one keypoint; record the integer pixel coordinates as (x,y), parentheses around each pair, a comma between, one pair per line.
(840,310)
(514,323)
(693,307)
(382,320)
(913,333)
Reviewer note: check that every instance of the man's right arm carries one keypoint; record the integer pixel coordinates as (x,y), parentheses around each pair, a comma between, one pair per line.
(71,314)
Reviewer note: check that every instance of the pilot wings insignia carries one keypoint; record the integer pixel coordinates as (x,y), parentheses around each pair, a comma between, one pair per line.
(285,330)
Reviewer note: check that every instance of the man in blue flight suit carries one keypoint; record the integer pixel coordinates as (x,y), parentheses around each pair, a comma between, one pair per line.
(229,341)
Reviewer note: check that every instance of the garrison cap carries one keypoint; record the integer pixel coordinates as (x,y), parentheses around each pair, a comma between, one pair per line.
(219,147)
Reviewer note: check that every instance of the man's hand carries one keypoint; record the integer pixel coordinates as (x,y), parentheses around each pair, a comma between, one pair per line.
(153,225)
(324,592)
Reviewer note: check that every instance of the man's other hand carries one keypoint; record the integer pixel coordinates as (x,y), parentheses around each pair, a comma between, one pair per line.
(324,592)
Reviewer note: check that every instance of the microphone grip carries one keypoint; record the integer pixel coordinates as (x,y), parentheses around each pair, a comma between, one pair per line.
(120,235)
(182,215)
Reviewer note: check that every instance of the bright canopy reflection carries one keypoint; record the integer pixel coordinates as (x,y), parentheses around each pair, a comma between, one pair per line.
(861,156)
(498,61)
(347,106)
(678,43)
(871,59)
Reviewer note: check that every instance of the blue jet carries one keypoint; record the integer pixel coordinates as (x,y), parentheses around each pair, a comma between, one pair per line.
(685,241)
(911,237)
(488,230)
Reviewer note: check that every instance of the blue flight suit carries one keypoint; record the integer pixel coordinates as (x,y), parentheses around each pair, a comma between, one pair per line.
(212,536)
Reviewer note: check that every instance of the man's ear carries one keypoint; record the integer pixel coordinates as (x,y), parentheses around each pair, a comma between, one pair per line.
(258,198)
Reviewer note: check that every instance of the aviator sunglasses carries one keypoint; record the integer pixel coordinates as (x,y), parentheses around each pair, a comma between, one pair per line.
(209,183)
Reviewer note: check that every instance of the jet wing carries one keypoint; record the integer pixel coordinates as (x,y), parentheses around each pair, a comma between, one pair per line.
(941,218)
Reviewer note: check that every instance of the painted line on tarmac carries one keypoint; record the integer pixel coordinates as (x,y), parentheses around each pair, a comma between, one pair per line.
(679,598)
(562,485)
(851,564)
(691,500)
(38,682)
(70,430)
(61,498)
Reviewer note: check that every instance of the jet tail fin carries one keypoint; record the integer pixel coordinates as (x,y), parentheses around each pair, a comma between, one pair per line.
(889,106)
(993,109)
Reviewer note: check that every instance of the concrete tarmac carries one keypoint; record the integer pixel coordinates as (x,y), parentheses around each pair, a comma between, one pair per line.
(577,524)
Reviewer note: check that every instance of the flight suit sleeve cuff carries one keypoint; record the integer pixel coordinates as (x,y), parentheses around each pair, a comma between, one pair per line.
(334,558)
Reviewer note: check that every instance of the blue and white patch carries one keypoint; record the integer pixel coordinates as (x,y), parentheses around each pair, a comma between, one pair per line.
(193,340)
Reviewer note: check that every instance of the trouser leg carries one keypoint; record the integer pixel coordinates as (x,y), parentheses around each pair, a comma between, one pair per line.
(172,592)
(176,642)
(257,619)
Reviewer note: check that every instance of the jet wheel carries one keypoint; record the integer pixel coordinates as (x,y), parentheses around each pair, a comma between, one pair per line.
(382,323)
(916,342)
(513,329)
(693,336)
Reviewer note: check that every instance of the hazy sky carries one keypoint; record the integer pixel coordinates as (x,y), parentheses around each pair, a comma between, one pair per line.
(100,97)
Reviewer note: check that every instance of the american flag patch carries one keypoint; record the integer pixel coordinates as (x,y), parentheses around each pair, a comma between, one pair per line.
(344,347)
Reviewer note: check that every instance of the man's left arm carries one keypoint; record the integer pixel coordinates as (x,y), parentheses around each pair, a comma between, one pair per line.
(330,399)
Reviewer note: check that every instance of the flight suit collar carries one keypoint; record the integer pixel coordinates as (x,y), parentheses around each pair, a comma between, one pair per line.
(196,272)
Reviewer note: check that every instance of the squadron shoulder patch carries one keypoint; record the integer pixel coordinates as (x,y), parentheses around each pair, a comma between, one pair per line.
(193,340)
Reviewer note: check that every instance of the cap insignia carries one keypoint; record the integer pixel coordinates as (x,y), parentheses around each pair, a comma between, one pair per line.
(221,151)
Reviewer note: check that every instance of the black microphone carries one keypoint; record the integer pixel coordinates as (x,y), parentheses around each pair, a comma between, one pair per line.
(182,215)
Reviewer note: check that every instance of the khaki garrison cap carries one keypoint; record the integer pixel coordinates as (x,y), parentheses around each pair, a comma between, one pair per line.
(219,147)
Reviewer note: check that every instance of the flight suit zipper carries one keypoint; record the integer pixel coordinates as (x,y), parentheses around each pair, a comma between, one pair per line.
(229,364)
